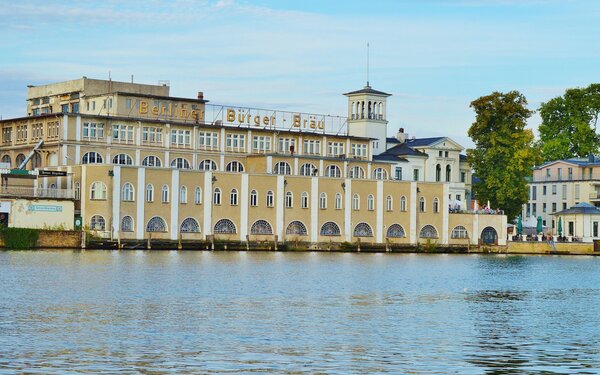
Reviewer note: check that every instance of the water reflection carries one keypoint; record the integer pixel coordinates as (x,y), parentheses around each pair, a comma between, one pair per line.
(206,312)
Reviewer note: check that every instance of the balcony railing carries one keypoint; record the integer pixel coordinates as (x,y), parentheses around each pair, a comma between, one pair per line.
(595,195)
(476,212)
(30,192)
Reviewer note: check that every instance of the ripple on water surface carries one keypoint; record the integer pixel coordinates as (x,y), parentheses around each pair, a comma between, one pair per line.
(237,312)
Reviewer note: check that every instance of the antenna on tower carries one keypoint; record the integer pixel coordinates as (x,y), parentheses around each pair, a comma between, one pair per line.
(367,64)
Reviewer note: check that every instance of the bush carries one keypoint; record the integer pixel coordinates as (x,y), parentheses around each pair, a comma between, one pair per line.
(19,238)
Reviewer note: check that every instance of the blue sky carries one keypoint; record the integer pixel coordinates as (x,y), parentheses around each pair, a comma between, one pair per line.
(434,56)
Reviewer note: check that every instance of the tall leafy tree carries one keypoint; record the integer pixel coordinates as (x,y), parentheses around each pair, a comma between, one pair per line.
(504,152)
(569,122)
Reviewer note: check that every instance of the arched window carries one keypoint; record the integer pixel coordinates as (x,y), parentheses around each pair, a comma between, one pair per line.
(225,226)
(20,159)
(152,161)
(448,173)
(304,200)
(356,202)
(438,172)
(180,163)
(261,227)
(189,225)
(428,231)
(156,224)
(308,170)
(289,200)
(422,204)
(338,201)
(207,165)
(233,197)
(122,159)
(234,166)
(164,194)
(198,195)
(370,202)
(253,198)
(436,205)
(459,232)
(357,172)
(333,171)
(127,192)
(77,190)
(36,160)
(323,201)
(6,160)
(380,174)
(363,230)
(489,236)
(403,203)
(389,203)
(183,194)
(296,227)
(217,196)
(282,168)
(270,199)
(98,190)
(88,158)
(330,229)
(395,231)
(127,224)
(97,223)
(149,193)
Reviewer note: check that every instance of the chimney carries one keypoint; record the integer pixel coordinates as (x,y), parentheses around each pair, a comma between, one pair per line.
(401,136)
(200,95)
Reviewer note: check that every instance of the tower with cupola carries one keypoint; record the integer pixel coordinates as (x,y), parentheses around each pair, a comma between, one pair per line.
(367,116)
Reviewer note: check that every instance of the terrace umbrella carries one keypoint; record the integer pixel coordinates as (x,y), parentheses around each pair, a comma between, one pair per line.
(560,226)
(520,226)
(539,227)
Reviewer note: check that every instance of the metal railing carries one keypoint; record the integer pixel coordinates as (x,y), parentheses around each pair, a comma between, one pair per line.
(476,212)
(30,192)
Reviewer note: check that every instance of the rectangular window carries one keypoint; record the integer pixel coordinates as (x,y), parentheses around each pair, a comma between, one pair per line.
(564,192)
(576,191)
(595,229)
(128,103)
(261,144)
(548,173)
(208,140)
(544,190)
(52,130)
(564,205)
(534,193)
(235,142)
(358,150)
(93,131)
(571,229)
(553,189)
(553,207)
(312,147)
(37,131)
(123,134)
(398,173)
(151,135)
(181,138)
(463,177)
(75,107)
(64,108)
(570,171)
(286,145)
(7,135)
(544,207)
(335,149)
(534,209)
(560,173)
(415,174)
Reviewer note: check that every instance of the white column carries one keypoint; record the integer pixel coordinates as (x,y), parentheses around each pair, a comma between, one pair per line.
(222,150)
(412,209)
(295,172)
(269,160)
(174,204)
(379,212)
(140,220)
(279,206)
(445,203)
(345,171)
(249,142)
(348,210)
(65,124)
(369,171)
(116,201)
(324,147)
(300,149)
(77,155)
(314,209)
(137,157)
(475,234)
(321,171)
(77,127)
(138,135)
(83,192)
(244,203)
(64,159)
(208,203)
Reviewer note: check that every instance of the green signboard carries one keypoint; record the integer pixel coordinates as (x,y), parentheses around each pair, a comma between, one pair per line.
(44,208)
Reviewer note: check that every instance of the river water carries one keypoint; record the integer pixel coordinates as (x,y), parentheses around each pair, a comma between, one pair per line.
(144,312)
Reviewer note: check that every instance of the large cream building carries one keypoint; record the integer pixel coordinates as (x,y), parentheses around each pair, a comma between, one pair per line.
(143,163)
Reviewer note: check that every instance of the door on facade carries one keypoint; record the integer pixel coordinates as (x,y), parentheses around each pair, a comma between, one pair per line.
(489,236)
(3,219)
(571,228)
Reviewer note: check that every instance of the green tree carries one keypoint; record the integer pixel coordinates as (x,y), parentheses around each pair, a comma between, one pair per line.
(568,127)
(504,152)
